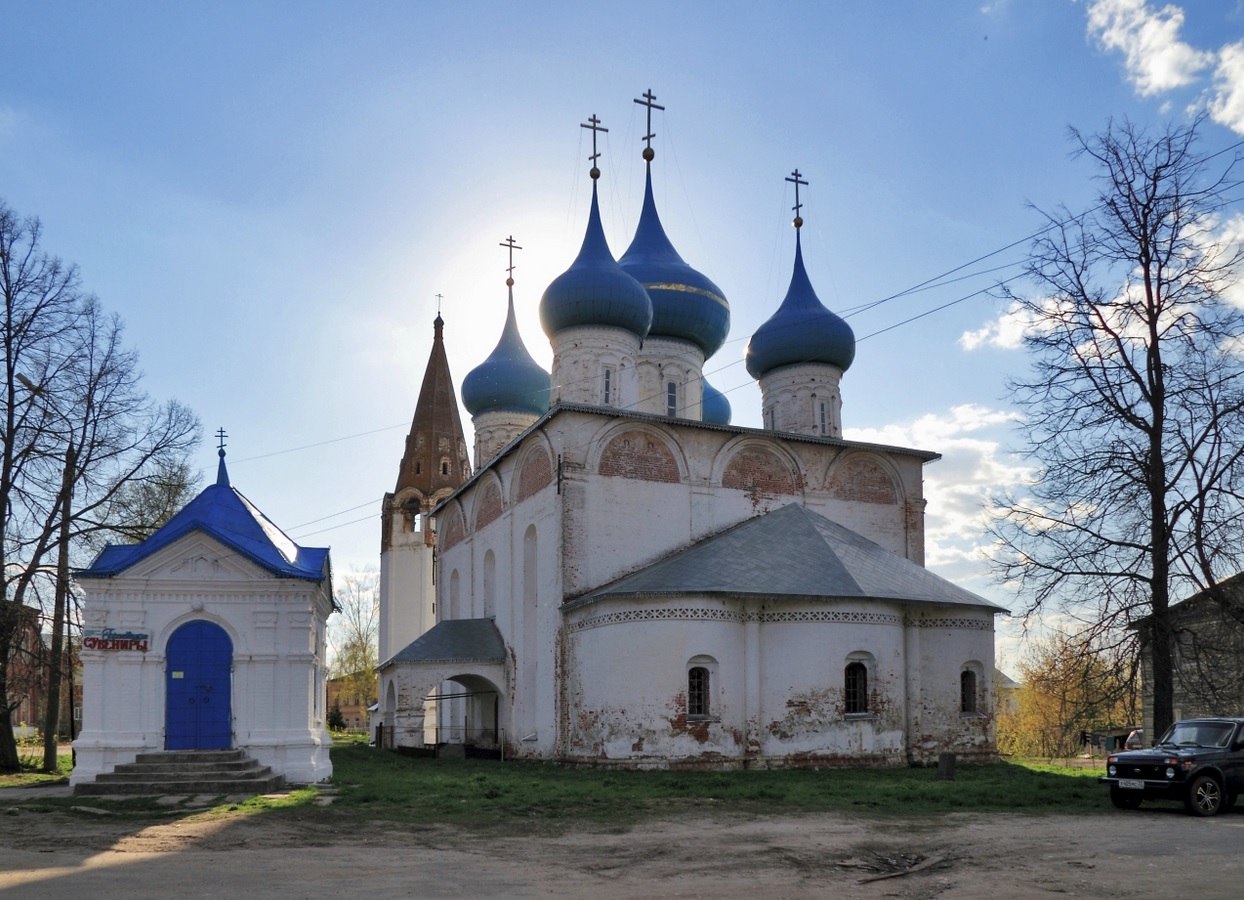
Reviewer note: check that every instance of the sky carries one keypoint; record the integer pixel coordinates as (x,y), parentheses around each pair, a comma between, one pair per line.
(272,195)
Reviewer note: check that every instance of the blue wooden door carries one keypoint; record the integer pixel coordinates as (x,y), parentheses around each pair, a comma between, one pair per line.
(198,682)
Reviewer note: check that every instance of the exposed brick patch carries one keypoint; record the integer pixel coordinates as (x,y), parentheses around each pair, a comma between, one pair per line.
(537,472)
(863,480)
(453,530)
(759,469)
(489,505)
(637,454)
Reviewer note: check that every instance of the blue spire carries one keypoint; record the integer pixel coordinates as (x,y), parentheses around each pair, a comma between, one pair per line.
(509,380)
(685,304)
(801,331)
(595,290)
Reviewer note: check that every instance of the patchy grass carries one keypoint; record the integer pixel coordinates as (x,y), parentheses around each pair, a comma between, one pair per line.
(370,784)
(30,769)
(383,785)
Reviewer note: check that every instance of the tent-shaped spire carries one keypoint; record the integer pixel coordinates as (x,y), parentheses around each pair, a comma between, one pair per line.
(436,455)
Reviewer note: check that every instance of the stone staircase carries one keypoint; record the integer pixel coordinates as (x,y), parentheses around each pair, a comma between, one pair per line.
(186,772)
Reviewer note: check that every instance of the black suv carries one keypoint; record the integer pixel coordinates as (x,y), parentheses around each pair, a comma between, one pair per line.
(1198,761)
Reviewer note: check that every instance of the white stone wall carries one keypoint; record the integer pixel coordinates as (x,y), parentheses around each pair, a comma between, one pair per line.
(495,430)
(665,360)
(803,399)
(276,626)
(582,357)
(406,591)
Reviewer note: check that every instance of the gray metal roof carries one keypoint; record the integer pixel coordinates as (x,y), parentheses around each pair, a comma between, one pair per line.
(455,640)
(790,552)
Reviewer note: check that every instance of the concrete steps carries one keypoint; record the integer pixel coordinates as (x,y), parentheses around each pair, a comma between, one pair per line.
(185,772)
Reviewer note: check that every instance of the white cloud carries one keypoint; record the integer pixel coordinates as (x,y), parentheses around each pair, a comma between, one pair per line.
(1155,58)
(974,467)
(1006,332)
(1226,103)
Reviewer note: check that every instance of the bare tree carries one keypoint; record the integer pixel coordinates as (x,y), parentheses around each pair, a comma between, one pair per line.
(79,433)
(355,634)
(1135,403)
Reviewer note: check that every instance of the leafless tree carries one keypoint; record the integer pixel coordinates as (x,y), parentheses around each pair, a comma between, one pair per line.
(354,635)
(79,435)
(1135,403)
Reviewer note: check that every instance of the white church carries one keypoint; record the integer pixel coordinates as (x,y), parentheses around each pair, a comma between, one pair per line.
(625,578)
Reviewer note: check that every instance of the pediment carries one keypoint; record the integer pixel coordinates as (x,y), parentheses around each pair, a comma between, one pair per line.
(196,557)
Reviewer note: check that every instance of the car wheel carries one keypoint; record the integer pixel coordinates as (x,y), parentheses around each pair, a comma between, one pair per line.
(1125,799)
(1204,796)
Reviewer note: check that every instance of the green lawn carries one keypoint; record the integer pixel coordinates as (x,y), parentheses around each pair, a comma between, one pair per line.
(372,784)
(384,785)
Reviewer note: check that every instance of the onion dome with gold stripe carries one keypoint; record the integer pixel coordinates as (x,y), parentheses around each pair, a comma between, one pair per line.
(685,304)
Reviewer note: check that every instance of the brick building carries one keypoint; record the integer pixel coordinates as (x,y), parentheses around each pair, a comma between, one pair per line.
(626,578)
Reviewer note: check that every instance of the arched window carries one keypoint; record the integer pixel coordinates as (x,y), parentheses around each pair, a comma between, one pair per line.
(671,399)
(855,688)
(608,395)
(697,691)
(967,691)
(444,467)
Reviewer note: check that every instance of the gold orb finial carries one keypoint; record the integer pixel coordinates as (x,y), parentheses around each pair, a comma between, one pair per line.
(595,173)
(648,154)
(798,221)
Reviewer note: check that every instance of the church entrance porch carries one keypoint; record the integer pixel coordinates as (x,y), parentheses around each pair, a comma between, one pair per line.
(198,688)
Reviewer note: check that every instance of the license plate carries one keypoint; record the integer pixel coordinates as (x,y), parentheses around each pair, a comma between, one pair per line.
(1133,783)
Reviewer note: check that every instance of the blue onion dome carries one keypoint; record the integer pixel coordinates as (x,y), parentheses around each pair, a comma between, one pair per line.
(685,304)
(801,331)
(714,407)
(595,290)
(509,380)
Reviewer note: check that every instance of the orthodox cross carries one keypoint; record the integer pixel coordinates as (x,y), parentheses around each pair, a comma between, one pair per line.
(509,242)
(797,180)
(220,437)
(594,124)
(647,101)
(440,297)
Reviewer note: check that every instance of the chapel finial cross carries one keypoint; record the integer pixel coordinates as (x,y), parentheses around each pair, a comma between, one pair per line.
(594,124)
(439,298)
(647,101)
(220,438)
(509,242)
(797,180)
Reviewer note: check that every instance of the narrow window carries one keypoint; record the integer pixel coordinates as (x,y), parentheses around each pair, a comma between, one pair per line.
(671,399)
(444,467)
(608,386)
(856,692)
(967,691)
(824,429)
(418,468)
(697,691)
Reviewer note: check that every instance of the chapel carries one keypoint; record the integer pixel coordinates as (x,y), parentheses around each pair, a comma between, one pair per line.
(209,635)
(625,578)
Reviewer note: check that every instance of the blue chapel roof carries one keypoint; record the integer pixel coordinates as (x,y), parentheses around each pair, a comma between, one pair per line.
(223,513)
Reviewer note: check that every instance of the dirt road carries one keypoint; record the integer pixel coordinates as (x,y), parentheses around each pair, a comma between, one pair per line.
(1148,852)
